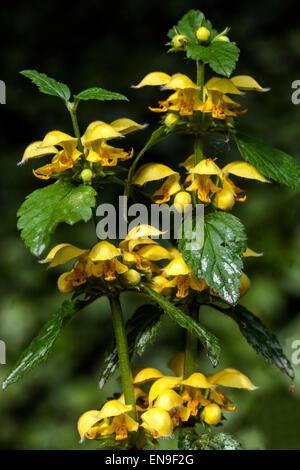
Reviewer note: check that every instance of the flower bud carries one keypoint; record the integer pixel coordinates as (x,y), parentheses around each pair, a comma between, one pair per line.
(245,284)
(86,175)
(180,200)
(202,33)
(212,414)
(132,276)
(170,119)
(224,199)
(223,38)
(179,40)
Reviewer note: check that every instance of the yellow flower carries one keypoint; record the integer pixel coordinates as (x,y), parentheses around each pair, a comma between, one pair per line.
(198,382)
(95,140)
(218,104)
(101,262)
(229,192)
(156,172)
(182,277)
(157,422)
(98,422)
(137,248)
(65,156)
(184,100)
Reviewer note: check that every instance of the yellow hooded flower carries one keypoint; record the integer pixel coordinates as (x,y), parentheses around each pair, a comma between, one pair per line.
(64,158)
(155,172)
(157,422)
(182,277)
(198,382)
(184,100)
(172,402)
(98,133)
(218,104)
(229,192)
(137,248)
(101,262)
(120,424)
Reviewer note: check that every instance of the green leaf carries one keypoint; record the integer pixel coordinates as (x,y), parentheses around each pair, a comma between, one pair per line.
(48,85)
(99,94)
(45,208)
(220,259)
(141,330)
(190,440)
(271,162)
(43,344)
(188,25)
(220,55)
(208,340)
(260,338)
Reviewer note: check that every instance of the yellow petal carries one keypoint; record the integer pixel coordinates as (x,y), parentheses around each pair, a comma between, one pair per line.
(132,244)
(154,252)
(250,252)
(113,408)
(206,167)
(89,129)
(245,284)
(86,421)
(104,251)
(180,82)
(176,364)
(35,150)
(158,421)
(138,392)
(131,424)
(143,231)
(154,79)
(231,378)
(100,132)
(223,85)
(62,253)
(177,267)
(57,138)
(245,82)
(125,126)
(189,162)
(160,385)
(197,380)
(147,375)
(244,170)
(64,284)
(152,172)
(167,400)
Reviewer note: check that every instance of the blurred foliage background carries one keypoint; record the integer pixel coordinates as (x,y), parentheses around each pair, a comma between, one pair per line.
(113,46)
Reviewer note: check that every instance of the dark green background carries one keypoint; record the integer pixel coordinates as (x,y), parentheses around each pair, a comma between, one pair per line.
(113,46)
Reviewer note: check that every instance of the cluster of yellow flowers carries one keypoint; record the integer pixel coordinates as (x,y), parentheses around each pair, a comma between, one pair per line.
(139,254)
(97,152)
(169,402)
(185,99)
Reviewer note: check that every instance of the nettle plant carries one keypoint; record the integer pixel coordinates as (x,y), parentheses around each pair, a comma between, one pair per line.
(175,277)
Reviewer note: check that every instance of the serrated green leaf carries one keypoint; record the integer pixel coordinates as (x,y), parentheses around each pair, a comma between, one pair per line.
(188,25)
(260,338)
(43,343)
(190,440)
(45,208)
(141,331)
(48,85)
(220,259)
(220,55)
(271,162)
(99,94)
(208,340)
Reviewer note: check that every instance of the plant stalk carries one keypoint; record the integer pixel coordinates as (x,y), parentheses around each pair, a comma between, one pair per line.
(191,347)
(121,340)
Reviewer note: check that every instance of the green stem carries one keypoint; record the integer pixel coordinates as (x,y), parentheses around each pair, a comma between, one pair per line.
(72,108)
(200,77)
(121,340)
(191,348)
